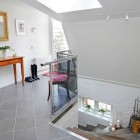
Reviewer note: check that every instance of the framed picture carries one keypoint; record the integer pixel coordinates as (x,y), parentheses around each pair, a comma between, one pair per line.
(20,27)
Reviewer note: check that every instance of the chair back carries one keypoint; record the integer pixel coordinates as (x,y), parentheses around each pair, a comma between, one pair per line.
(68,70)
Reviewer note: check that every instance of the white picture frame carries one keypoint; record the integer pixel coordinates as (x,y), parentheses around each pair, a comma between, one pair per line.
(20,27)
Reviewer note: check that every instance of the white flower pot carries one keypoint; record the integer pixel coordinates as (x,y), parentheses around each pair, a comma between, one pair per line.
(3,54)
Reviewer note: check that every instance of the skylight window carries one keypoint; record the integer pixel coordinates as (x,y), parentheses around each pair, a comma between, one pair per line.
(61,6)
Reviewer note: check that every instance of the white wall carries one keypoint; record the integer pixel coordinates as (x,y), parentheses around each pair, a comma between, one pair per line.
(120,97)
(84,118)
(106,50)
(39,39)
(109,51)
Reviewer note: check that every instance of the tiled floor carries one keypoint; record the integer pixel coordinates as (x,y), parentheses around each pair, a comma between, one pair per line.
(25,113)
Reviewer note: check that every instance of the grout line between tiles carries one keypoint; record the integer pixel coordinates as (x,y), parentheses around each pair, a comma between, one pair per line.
(34,116)
(7,109)
(63,138)
(3,99)
(6,132)
(7,119)
(15,120)
(24,129)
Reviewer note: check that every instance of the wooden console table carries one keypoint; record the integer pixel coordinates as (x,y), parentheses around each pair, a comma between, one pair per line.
(13,61)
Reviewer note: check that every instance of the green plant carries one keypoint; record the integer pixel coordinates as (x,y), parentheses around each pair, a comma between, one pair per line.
(88,106)
(4,48)
(102,110)
(58,41)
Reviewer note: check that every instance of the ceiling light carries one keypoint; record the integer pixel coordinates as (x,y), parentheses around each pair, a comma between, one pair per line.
(126,17)
(108,17)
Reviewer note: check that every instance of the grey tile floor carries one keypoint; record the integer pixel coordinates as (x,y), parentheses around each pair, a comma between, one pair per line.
(25,113)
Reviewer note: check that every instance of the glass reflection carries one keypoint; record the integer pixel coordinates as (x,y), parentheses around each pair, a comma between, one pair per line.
(64,84)
(1,26)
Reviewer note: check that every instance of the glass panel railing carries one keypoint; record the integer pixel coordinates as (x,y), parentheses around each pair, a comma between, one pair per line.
(62,83)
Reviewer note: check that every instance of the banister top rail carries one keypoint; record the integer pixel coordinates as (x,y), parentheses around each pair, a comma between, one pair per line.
(59,60)
(66,51)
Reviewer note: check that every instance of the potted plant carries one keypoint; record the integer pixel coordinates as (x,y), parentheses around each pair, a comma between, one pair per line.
(4,49)
(102,111)
(88,107)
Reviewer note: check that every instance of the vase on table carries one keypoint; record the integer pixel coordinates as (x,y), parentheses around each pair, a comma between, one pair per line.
(3,54)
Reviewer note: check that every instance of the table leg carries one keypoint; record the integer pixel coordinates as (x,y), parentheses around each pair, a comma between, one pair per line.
(15,73)
(22,73)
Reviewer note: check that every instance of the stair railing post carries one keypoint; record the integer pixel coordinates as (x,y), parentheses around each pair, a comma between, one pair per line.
(51,90)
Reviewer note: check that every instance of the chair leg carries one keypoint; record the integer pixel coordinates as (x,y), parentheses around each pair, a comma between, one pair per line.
(68,94)
(48,91)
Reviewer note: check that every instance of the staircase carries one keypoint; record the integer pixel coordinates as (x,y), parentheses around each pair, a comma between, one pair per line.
(83,133)
(101,132)
(125,133)
(97,129)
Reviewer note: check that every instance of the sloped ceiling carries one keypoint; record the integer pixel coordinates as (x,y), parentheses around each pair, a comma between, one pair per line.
(114,8)
(42,8)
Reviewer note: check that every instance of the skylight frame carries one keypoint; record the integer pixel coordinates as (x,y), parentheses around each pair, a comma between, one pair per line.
(63,6)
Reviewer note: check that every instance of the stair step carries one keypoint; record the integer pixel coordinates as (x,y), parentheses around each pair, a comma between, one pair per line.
(120,131)
(125,133)
(83,127)
(90,127)
(100,129)
(100,126)
(96,130)
(102,132)
(84,133)
(93,136)
(115,137)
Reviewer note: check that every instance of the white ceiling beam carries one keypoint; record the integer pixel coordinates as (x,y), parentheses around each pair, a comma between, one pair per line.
(42,8)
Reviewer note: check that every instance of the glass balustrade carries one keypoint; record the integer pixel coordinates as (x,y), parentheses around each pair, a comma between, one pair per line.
(62,81)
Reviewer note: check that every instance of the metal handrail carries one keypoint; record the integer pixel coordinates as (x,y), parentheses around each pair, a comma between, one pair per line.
(59,60)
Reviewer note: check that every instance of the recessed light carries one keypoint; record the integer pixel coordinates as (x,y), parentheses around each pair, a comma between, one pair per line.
(108,17)
(126,17)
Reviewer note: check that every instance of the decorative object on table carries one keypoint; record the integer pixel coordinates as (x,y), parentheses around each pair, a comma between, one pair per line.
(136,127)
(102,111)
(113,128)
(20,27)
(118,124)
(14,55)
(134,122)
(4,49)
(110,125)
